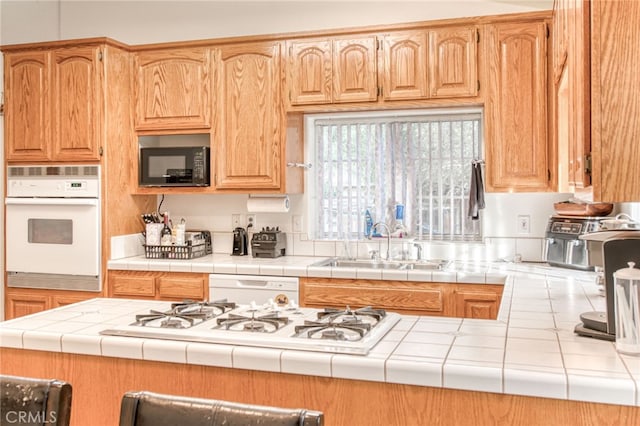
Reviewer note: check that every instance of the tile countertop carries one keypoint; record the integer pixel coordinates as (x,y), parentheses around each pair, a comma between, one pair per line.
(302,266)
(529,350)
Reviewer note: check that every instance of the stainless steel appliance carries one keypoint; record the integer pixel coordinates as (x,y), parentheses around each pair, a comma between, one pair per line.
(614,253)
(239,242)
(350,331)
(53,227)
(248,289)
(269,242)
(563,247)
(174,166)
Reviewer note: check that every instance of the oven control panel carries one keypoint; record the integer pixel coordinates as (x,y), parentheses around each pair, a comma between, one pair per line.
(566,228)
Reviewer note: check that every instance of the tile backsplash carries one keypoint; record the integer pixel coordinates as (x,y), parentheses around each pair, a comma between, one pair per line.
(501,239)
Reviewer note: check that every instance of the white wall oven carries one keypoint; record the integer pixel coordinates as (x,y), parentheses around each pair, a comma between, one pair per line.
(53,227)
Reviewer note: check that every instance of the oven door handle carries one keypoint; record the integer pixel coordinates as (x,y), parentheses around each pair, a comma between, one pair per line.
(51,201)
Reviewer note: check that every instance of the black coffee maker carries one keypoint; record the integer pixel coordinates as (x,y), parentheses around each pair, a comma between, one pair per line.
(239,242)
(612,253)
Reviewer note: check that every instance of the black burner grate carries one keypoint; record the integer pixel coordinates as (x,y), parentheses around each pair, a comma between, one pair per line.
(184,314)
(262,323)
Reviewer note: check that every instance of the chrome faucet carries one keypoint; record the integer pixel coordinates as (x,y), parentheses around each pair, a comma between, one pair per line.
(419,254)
(373,228)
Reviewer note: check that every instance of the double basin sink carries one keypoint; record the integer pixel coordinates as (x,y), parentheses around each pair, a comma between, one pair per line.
(384,264)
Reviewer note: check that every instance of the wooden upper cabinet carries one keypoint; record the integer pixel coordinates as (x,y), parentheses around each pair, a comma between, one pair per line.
(76,104)
(54,100)
(172,89)
(572,93)
(516,107)
(453,64)
(354,74)
(404,74)
(250,117)
(615,100)
(27,106)
(332,70)
(310,72)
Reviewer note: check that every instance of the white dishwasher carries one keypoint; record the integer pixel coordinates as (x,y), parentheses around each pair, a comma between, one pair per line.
(244,289)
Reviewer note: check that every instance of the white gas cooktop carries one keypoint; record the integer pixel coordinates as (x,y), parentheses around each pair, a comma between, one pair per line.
(349,331)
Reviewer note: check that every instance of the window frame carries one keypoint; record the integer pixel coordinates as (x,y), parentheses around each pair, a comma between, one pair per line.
(311,193)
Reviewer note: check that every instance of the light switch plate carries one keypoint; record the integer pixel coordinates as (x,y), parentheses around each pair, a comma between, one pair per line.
(524,224)
(296,223)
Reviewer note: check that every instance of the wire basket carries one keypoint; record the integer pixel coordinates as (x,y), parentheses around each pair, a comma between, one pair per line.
(175,252)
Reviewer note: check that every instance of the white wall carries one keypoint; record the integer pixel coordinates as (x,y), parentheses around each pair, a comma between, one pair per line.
(147,21)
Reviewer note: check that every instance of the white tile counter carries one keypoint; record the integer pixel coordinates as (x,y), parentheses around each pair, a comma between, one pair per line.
(303,266)
(530,350)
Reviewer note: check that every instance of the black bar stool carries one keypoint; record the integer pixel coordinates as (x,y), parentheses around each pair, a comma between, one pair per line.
(152,409)
(29,401)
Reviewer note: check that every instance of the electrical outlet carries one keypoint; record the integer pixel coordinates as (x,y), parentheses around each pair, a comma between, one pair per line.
(251,221)
(524,224)
(235,221)
(296,223)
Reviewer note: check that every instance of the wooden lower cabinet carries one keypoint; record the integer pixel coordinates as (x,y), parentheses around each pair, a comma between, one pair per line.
(157,285)
(476,301)
(100,382)
(24,301)
(480,301)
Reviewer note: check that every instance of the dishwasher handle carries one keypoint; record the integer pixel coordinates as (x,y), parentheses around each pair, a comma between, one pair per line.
(253,282)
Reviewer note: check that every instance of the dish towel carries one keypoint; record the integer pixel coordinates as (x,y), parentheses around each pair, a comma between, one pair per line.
(476,191)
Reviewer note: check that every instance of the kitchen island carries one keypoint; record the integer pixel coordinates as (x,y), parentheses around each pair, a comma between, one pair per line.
(526,367)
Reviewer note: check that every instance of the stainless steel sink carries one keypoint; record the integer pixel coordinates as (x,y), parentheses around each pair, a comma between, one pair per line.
(382,264)
(359,263)
(428,265)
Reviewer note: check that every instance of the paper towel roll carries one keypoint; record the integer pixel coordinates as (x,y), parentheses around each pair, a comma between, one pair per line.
(268,204)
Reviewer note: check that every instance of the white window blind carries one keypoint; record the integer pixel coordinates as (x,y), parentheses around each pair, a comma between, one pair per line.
(422,161)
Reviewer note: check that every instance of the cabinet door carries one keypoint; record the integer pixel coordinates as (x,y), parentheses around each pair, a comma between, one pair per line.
(354,70)
(581,86)
(572,94)
(136,284)
(182,286)
(453,64)
(615,100)
(309,72)
(20,303)
(405,66)
(172,89)
(516,108)
(76,107)
(27,123)
(476,303)
(251,117)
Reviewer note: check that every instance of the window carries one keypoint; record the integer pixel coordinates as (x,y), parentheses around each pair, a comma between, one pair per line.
(420,159)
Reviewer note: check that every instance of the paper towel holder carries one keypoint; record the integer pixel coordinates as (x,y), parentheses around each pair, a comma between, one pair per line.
(279,208)
(268,195)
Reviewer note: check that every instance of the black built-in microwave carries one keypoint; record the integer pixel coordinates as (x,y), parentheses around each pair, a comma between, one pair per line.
(174,166)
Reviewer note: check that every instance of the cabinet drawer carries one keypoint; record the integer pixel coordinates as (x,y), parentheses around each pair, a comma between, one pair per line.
(429,301)
(133,286)
(179,288)
(408,297)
